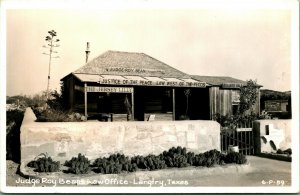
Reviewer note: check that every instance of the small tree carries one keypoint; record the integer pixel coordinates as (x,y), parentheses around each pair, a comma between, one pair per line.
(248,96)
(51,45)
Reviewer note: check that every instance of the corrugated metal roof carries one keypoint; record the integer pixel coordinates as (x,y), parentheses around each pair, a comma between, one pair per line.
(87,77)
(154,79)
(218,80)
(173,79)
(138,78)
(190,80)
(112,77)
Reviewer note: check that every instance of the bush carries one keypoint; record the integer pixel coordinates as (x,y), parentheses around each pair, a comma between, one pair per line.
(235,157)
(150,162)
(233,121)
(213,157)
(44,164)
(78,165)
(279,151)
(52,115)
(288,151)
(174,157)
(114,164)
(57,99)
(14,120)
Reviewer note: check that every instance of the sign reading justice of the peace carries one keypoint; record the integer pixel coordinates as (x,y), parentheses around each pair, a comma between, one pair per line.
(151,83)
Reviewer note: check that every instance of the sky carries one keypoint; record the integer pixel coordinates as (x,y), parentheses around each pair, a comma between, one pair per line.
(240,43)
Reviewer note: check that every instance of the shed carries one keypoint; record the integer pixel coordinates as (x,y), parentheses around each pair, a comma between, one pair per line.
(224,94)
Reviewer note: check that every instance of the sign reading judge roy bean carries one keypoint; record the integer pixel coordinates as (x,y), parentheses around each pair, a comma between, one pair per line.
(151,83)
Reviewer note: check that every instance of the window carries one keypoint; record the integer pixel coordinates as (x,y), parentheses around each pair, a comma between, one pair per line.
(235,101)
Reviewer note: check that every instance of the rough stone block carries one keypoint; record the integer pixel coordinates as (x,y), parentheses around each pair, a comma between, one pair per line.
(94,139)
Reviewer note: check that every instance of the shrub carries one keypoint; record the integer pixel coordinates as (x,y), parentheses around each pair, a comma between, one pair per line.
(14,116)
(176,157)
(279,151)
(199,160)
(78,165)
(213,157)
(248,96)
(150,162)
(288,151)
(114,164)
(13,123)
(233,121)
(52,115)
(235,157)
(44,164)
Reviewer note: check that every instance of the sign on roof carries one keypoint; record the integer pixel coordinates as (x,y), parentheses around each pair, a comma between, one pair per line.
(232,85)
(151,81)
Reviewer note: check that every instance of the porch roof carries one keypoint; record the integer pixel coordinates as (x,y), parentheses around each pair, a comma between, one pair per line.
(139,80)
(223,81)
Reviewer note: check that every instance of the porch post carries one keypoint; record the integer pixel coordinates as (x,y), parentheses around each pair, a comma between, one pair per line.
(173,96)
(258,101)
(85,100)
(132,104)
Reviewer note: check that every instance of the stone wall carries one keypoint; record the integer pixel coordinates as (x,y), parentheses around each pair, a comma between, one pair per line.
(271,135)
(62,140)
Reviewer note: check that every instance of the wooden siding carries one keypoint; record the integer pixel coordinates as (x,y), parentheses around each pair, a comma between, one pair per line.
(69,91)
(214,98)
(220,101)
(225,102)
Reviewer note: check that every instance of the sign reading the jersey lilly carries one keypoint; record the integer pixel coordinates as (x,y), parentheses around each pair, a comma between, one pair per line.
(110,89)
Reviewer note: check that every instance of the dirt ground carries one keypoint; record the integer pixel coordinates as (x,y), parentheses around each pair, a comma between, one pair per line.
(12,174)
